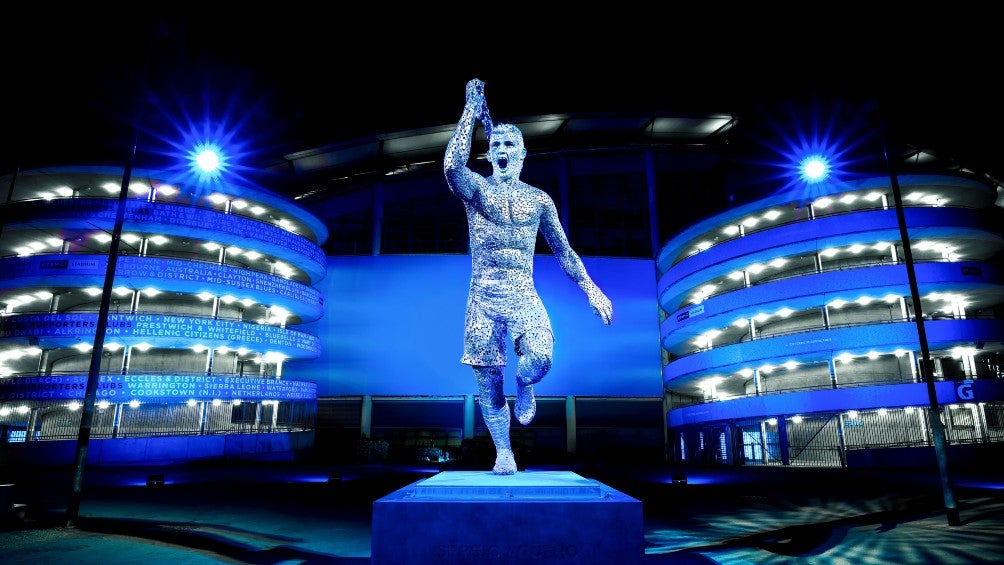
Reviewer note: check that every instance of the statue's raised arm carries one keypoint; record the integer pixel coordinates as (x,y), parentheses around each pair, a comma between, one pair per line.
(461,180)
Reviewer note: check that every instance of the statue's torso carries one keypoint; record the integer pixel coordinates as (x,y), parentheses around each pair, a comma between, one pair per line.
(503,223)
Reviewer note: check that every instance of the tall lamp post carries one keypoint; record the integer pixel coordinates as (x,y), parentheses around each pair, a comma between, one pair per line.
(934,410)
(157,32)
(208,161)
(94,371)
(815,168)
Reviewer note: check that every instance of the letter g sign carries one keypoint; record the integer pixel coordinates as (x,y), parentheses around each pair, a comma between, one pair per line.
(965,390)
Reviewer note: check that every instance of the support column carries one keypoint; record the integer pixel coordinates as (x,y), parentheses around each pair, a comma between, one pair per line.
(841,441)
(29,434)
(730,447)
(653,217)
(782,440)
(366,417)
(923,426)
(377,217)
(764,444)
(43,363)
(469,416)
(570,427)
(914,370)
(980,415)
(969,365)
(126,354)
(666,439)
(117,419)
(203,408)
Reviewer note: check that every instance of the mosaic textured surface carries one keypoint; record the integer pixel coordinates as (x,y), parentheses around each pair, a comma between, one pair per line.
(504,215)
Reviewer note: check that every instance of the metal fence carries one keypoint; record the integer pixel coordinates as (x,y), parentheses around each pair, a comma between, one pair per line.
(43,421)
(824,439)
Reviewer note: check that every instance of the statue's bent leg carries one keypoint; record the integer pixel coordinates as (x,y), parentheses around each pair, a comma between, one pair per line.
(495,411)
(535,349)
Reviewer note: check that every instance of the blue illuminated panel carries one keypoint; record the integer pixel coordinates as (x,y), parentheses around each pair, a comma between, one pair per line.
(160,331)
(164,274)
(394,325)
(180,221)
(123,388)
(99,175)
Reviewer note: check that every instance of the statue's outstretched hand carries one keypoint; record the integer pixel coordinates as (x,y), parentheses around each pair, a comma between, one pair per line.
(602,306)
(476,96)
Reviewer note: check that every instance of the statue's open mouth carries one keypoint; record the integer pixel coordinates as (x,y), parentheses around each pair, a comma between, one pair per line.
(503,162)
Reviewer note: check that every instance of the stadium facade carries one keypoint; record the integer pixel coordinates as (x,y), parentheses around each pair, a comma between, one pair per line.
(209,286)
(792,321)
(345,318)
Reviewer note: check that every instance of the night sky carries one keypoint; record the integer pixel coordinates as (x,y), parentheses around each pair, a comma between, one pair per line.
(84,87)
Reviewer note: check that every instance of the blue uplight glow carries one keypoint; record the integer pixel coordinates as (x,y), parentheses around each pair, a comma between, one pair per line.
(692,478)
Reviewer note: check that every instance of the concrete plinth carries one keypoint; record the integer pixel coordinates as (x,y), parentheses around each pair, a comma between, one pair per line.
(481,518)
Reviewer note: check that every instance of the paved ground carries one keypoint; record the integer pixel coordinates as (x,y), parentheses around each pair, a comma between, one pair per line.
(316,514)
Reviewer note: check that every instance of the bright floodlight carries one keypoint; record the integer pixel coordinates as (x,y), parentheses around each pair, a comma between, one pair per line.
(814,168)
(208,160)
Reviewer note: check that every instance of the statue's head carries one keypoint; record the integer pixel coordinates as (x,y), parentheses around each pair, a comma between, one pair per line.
(506,151)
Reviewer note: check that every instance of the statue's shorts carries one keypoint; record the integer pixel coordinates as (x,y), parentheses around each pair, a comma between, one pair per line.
(491,320)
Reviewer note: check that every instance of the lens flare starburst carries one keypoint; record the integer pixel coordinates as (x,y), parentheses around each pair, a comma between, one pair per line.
(209,140)
(809,146)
